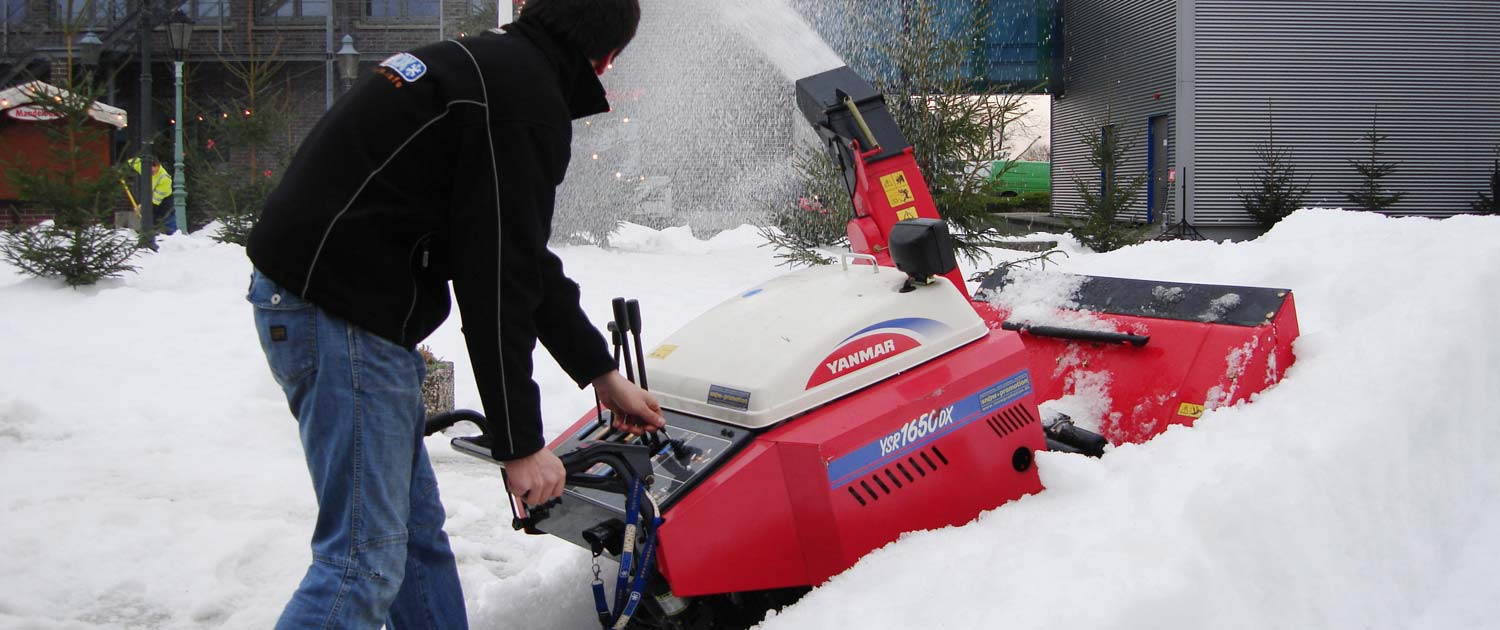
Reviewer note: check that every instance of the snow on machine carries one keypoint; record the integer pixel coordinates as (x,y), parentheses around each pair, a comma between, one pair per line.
(818,416)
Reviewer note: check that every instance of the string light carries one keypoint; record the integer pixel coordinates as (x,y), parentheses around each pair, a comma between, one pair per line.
(596,156)
(618,175)
(627,120)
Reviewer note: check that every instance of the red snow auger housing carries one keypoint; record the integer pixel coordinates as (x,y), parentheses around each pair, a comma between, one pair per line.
(820,415)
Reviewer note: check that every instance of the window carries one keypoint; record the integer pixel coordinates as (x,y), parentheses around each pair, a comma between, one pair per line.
(401,8)
(90,13)
(213,9)
(292,9)
(15,11)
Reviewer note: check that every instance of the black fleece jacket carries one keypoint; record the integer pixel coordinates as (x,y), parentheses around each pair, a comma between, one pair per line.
(442,165)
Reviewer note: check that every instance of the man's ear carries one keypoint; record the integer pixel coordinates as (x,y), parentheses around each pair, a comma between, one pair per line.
(600,65)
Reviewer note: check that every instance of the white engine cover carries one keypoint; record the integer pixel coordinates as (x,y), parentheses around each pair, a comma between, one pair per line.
(804,339)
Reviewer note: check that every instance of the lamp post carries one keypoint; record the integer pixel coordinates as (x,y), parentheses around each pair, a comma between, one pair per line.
(89,47)
(179,31)
(348,62)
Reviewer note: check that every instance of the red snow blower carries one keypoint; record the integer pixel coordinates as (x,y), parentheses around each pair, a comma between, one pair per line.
(818,416)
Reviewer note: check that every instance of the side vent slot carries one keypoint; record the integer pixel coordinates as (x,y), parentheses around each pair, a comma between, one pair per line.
(1009,421)
(898,476)
(854,493)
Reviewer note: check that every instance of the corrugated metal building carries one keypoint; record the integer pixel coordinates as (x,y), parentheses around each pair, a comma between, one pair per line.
(1188,85)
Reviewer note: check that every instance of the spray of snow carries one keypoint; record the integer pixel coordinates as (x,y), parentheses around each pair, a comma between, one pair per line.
(780,34)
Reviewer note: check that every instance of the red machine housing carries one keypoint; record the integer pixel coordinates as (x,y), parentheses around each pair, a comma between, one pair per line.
(1187,368)
(928,448)
(942,442)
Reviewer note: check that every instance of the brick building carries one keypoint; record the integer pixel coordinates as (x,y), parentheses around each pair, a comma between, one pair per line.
(701,132)
(37,38)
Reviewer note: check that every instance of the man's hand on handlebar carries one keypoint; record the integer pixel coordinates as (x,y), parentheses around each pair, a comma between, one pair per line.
(635,410)
(536,478)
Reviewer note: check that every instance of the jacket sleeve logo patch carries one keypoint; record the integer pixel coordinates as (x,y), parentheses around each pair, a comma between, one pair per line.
(407,65)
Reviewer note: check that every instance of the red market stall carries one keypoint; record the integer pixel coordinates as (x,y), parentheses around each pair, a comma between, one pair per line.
(24,142)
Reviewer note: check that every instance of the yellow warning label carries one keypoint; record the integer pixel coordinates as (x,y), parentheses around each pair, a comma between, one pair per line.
(662,351)
(1190,410)
(906,214)
(897,190)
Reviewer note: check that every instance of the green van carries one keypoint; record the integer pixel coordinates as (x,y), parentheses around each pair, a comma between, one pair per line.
(1021,178)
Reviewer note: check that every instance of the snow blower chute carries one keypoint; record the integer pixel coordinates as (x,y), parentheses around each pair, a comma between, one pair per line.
(815,418)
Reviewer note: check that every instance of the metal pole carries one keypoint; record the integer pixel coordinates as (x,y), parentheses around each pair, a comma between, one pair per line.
(148,238)
(179,176)
(328,62)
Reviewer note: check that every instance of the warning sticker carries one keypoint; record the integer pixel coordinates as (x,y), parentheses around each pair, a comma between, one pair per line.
(663,350)
(897,189)
(906,214)
(1190,410)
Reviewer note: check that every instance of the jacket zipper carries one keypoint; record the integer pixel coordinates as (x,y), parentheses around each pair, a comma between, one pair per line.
(423,242)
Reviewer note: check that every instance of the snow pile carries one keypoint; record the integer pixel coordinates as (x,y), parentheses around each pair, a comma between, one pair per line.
(150,475)
(1362,492)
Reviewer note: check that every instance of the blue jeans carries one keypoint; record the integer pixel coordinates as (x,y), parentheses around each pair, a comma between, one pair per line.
(379,552)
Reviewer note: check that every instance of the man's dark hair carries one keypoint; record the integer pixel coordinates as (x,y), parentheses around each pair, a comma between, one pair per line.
(592,27)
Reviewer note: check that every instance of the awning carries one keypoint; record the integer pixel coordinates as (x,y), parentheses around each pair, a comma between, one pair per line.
(26,93)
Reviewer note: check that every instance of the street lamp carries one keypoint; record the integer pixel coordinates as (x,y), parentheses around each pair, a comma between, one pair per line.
(89,47)
(348,62)
(179,31)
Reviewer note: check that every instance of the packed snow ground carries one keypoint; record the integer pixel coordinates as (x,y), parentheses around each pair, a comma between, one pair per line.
(150,475)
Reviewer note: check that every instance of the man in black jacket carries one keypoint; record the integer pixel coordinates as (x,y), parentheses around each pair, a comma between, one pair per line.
(442,166)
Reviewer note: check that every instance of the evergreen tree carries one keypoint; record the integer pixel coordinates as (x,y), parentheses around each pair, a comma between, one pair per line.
(1490,203)
(1274,193)
(956,131)
(78,187)
(1106,198)
(1372,194)
(242,146)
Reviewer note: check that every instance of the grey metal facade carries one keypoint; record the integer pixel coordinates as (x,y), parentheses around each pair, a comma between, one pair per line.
(1119,70)
(1322,66)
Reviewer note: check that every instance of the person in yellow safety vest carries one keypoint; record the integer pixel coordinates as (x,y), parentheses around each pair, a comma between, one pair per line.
(161,189)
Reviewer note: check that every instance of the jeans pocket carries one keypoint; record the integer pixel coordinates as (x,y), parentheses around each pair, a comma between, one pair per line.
(288,329)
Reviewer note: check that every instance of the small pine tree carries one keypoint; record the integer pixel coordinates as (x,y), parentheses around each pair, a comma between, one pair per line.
(1106,198)
(76,189)
(1372,195)
(1490,203)
(243,148)
(817,219)
(1274,193)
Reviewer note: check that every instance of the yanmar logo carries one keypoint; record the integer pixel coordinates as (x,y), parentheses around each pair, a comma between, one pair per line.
(858,354)
(862,357)
(909,433)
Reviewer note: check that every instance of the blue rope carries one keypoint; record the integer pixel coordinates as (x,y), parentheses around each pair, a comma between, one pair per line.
(630,583)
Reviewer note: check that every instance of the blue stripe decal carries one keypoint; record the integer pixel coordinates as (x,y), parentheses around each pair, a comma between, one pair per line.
(927,428)
(921,325)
